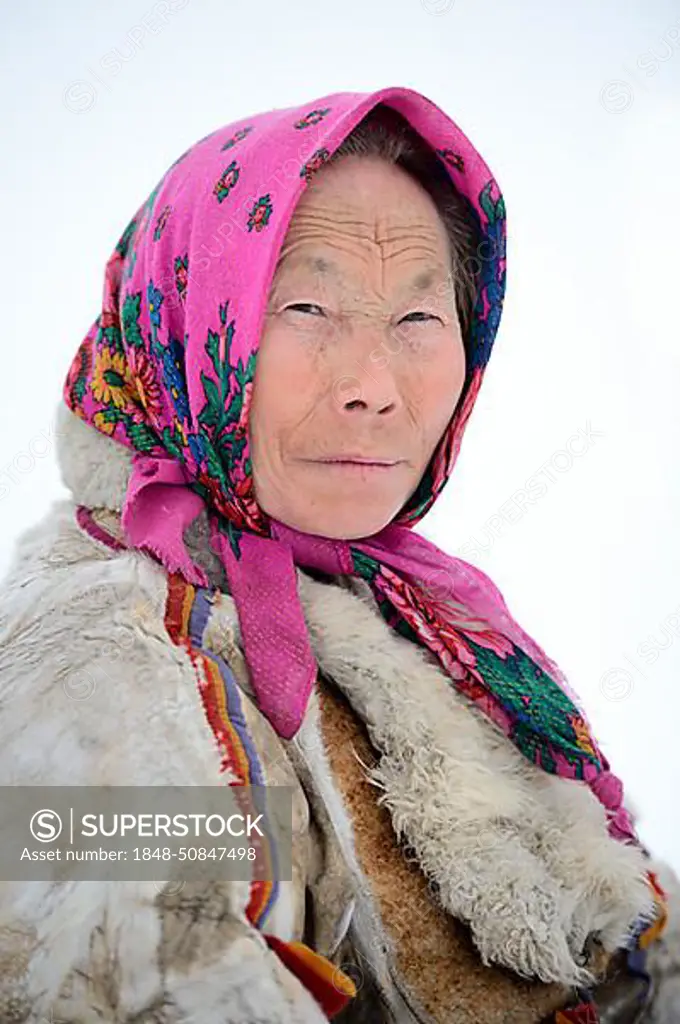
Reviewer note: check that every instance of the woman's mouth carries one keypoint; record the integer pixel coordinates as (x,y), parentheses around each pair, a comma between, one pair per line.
(357,464)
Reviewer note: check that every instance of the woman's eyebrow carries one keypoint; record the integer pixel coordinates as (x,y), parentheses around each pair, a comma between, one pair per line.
(317,264)
(323,268)
(421,281)
(320,265)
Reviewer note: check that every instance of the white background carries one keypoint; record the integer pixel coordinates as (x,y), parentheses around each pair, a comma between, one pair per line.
(576,108)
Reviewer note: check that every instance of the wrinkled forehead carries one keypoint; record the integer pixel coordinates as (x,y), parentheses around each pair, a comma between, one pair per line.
(366,199)
(362,218)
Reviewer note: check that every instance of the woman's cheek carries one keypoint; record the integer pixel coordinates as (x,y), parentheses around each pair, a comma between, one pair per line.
(441,391)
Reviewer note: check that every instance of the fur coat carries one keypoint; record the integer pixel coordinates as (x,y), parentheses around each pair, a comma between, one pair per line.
(448,877)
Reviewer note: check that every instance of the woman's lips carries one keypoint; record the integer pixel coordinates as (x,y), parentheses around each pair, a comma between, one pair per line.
(356,465)
(361,460)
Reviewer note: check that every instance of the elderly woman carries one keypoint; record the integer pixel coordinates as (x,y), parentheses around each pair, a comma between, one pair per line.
(294,331)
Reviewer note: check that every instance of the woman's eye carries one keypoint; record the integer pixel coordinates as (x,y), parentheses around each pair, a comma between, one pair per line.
(421,313)
(304,307)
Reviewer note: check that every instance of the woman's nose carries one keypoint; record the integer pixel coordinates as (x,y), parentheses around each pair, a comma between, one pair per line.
(367,391)
(358,385)
(350,393)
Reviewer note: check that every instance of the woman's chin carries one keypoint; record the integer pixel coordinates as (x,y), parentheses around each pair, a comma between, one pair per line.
(341,523)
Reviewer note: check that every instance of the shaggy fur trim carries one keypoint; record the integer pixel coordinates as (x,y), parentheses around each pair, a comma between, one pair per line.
(521,855)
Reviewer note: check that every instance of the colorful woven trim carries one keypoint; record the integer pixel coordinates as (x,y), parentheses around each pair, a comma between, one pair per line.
(186,617)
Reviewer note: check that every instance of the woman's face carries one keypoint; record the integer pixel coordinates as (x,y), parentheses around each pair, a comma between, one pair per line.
(361,355)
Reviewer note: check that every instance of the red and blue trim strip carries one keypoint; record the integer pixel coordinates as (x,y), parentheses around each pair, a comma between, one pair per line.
(186,617)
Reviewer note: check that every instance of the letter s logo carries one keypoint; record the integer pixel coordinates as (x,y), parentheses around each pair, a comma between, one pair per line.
(45,825)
